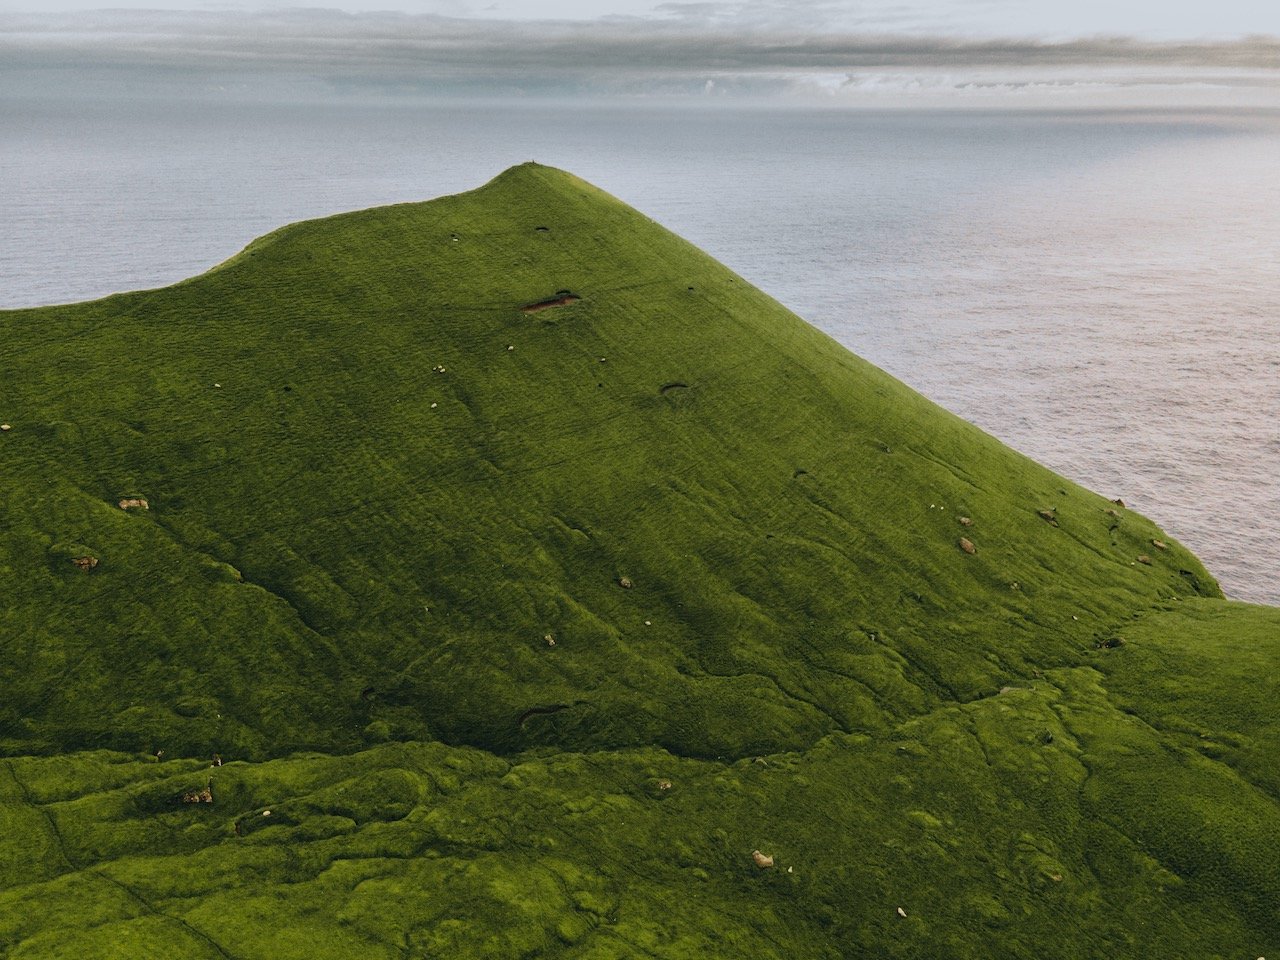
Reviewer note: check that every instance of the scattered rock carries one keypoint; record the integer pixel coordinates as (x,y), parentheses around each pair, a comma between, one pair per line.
(217,760)
(6,427)
(902,913)
(1159,544)
(1118,502)
(551,641)
(198,796)
(664,785)
(439,368)
(966,521)
(625,583)
(85,563)
(763,861)
(1143,558)
(266,813)
(1049,515)
(966,545)
(134,503)
(1055,877)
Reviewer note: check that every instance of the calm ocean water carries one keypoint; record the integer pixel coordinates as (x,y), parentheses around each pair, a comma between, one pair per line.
(1099,290)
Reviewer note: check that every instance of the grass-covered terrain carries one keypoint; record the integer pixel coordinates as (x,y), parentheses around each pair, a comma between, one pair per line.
(510,572)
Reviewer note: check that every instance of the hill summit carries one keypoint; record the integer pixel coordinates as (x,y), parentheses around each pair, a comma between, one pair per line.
(502,576)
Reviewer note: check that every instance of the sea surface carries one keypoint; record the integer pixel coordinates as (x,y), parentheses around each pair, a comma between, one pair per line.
(1101,290)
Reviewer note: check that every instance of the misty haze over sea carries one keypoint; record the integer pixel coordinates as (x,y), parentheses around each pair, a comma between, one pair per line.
(1093,278)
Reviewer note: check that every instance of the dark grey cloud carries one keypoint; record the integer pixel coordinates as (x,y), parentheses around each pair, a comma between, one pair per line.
(694,47)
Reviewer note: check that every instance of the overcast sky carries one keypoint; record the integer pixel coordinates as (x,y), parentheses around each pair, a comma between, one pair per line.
(1223,50)
(1051,19)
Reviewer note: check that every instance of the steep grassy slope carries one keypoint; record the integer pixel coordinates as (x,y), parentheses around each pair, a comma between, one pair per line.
(529,625)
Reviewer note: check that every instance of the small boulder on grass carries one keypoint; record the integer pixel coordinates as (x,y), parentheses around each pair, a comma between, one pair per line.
(762,860)
(966,545)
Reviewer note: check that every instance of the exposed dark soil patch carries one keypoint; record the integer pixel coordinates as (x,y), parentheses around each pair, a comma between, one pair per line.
(541,711)
(562,299)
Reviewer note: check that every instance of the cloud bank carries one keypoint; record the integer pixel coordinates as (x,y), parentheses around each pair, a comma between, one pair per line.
(691,52)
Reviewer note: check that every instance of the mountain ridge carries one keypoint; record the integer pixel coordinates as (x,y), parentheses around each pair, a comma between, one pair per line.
(398,523)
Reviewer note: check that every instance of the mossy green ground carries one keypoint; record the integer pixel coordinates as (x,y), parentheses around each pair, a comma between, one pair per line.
(376,488)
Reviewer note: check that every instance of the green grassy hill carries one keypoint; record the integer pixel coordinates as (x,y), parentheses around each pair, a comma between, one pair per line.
(526,571)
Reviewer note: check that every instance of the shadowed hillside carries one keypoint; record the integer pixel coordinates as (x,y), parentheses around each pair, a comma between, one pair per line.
(526,570)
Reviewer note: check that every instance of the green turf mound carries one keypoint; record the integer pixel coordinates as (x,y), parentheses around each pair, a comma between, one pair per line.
(532,570)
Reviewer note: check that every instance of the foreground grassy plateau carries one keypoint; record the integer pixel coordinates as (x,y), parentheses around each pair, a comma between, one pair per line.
(500,576)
